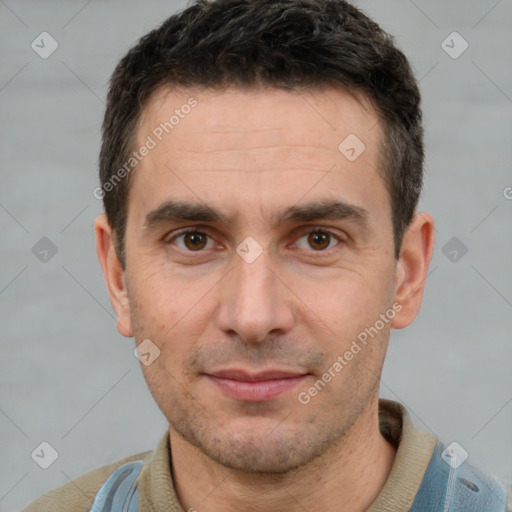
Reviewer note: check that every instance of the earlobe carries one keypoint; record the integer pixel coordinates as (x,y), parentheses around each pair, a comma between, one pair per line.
(114,274)
(412,268)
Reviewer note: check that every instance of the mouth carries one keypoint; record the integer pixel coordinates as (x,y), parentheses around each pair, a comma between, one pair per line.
(255,386)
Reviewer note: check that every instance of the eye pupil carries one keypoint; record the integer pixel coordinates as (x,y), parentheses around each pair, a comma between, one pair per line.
(317,239)
(195,240)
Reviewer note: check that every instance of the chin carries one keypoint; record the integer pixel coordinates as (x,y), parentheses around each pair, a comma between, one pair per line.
(256,449)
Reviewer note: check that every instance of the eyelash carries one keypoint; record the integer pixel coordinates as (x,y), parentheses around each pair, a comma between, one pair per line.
(301,234)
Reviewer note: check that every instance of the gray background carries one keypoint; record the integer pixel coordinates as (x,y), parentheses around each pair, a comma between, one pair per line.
(69,379)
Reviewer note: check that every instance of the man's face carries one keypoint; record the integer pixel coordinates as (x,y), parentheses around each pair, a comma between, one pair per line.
(250,309)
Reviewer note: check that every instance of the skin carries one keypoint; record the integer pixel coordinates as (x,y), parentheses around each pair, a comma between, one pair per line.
(297,306)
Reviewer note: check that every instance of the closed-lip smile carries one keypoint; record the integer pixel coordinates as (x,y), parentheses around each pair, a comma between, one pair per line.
(255,386)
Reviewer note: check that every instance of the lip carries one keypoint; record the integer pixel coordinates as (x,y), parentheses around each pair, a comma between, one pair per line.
(255,386)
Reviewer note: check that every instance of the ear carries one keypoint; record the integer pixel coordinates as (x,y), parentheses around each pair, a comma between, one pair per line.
(412,268)
(114,274)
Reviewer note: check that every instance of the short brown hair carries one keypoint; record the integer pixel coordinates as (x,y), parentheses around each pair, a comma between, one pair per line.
(287,44)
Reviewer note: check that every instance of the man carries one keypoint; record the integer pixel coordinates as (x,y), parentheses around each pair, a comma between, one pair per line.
(260,170)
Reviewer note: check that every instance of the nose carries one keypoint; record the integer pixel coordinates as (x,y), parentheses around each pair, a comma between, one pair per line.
(254,301)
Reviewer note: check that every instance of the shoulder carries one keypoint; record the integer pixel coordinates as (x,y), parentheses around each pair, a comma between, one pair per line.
(79,494)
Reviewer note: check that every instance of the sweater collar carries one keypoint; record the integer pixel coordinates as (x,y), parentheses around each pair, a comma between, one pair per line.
(414,449)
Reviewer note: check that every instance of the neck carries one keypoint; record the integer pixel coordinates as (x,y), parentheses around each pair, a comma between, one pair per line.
(348,476)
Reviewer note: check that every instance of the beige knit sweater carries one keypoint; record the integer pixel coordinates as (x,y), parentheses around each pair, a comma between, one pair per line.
(157,493)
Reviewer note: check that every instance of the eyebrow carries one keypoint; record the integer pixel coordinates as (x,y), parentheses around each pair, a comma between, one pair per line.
(176,211)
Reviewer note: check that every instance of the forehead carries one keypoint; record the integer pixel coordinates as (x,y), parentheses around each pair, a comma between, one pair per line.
(248,115)
(255,146)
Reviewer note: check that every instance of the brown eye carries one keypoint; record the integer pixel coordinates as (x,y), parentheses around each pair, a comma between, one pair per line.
(193,241)
(318,240)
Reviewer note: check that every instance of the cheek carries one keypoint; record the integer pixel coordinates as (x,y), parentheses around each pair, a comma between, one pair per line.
(346,301)
(154,307)
(169,313)
(156,293)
